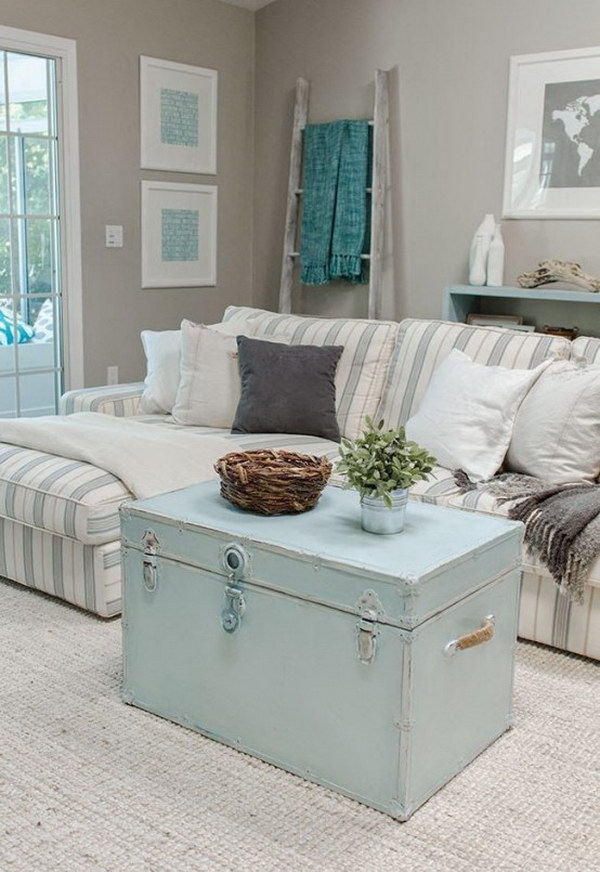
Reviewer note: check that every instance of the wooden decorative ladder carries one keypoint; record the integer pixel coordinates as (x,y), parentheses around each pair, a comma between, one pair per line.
(377,190)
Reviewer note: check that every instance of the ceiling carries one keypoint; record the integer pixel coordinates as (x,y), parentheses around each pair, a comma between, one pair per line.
(249,4)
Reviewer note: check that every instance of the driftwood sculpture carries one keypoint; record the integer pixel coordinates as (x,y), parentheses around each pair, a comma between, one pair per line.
(549,271)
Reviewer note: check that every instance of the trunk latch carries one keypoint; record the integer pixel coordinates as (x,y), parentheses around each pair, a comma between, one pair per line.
(150,560)
(235,606)
(367,629)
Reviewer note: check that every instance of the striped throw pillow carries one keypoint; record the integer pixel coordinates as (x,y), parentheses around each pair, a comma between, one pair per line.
(363,366)
(423,345)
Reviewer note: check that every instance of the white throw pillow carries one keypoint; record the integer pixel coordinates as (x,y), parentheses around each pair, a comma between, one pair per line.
(163,355)
(556,435)
(163,351)
(467,413)
(210,387)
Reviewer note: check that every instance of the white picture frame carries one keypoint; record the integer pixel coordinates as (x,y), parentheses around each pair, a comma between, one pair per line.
(179,235)
(551,170)
(178,117)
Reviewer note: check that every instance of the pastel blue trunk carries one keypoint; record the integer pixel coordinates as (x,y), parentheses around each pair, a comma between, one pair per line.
(324,650)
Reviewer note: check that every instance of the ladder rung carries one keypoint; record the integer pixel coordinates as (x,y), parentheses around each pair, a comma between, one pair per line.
(297,254)
(300,191)
(370,122)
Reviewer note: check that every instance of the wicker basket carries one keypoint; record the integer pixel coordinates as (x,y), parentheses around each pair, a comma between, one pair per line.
(273,482)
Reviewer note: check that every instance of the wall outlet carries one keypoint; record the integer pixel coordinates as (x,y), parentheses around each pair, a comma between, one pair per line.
(112,375)
(114,235)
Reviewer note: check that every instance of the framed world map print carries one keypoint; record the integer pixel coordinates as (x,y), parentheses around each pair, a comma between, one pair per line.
(178,117)
(552,167)
(179,235)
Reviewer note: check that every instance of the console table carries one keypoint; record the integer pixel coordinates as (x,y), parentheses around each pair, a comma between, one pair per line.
(460,300)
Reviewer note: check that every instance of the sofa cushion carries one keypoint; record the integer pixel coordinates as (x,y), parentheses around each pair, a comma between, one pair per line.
(423,345)
(587,347)
(480,501)
(61,496)
(437,490)
(363,366)
(79,501)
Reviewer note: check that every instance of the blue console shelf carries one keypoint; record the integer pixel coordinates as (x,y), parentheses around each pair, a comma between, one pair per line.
(460,300)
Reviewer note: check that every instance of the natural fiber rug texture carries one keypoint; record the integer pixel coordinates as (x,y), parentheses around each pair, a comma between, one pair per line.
(88,783)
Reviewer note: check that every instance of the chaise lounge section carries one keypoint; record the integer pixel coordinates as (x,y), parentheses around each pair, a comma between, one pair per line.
(59,520)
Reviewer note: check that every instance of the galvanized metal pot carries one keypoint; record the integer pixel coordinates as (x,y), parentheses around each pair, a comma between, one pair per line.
(376,517)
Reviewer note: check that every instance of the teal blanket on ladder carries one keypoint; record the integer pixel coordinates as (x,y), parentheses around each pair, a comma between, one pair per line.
(335,220)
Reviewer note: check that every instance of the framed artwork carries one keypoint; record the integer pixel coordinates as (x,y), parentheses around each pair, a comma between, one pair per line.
(178,117)
(179,235)
(552,165)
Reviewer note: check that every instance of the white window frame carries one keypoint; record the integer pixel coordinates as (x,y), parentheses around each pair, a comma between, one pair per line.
(64,51)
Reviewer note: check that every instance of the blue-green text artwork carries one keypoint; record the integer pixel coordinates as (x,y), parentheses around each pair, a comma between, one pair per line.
(178,118)
(179,234)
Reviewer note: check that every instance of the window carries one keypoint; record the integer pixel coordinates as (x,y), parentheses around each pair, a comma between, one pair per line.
(37,361)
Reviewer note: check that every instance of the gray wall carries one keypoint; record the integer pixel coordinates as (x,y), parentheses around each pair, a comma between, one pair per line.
(111,34)
(449,62)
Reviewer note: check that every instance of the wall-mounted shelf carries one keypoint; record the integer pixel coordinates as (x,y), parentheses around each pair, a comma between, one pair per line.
(460,300)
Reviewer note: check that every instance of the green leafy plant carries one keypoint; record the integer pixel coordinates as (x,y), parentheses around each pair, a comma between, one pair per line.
(381,461)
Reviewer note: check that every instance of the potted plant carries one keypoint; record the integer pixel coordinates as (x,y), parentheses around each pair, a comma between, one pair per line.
(381,465)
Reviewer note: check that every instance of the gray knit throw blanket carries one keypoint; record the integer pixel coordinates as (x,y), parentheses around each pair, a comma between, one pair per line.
(562,523)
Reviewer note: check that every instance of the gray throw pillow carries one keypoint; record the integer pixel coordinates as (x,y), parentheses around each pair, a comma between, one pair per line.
(287,388)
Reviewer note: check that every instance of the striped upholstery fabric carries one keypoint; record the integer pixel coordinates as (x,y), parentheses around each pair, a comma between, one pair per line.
(121,401)
(423,345)
(586,347)
(546,615)
(61,496)
(88,576)
(363,366)
(437,490)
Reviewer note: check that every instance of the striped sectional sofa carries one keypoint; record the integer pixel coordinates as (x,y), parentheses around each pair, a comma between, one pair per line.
(59,522)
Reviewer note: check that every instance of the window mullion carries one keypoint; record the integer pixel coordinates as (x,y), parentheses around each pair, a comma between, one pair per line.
(11,235)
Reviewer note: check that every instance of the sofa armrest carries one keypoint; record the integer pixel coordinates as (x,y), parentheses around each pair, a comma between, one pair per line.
(122,401)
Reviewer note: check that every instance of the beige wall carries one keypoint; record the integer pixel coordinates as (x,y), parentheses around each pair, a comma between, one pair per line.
(111,34)
(449,62)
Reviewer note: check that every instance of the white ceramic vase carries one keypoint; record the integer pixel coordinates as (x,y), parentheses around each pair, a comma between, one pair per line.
(480,247)
(495,264)
(477,273)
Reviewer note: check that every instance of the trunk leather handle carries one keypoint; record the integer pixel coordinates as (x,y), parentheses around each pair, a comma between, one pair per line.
(477,637)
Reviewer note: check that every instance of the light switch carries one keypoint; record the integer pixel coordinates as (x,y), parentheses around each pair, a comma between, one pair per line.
(114,236)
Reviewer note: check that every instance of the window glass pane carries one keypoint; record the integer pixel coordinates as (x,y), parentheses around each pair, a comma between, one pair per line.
(36,173)
(40,313)
(5,258)
(4,201)
(28,93)
(8,392)
(40,260)
(36,355)
(36,392)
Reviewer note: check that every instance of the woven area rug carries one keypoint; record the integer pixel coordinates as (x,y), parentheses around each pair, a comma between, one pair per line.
(87,783)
